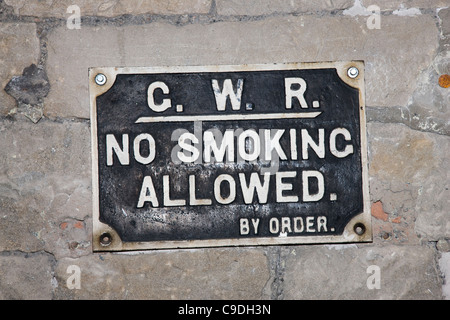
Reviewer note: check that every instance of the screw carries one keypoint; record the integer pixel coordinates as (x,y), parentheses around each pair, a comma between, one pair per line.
(105,239)
(359,229)
(100,79)
(352,72)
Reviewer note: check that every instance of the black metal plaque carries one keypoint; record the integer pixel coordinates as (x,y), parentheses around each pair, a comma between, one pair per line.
(228,155)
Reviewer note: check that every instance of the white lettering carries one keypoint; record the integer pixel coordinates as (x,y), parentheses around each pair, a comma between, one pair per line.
(280,186)
(255,223)
(244,227)
(228,92)
(274,225)
(147,193)
(166,104)
(318,148)
(307,196)
(272,143)
(298,224)
(121,153)
(254,148)
(286,225)
(188,147)
(298,93)
(193,201)
(232,187)
(168,202)
(322,224)
(248,191)
(293,225)
(227,144)
(347,136)
(151,148)
(310,224)
(293,136)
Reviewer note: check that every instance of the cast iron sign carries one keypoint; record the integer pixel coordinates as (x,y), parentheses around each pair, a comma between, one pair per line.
(229,155)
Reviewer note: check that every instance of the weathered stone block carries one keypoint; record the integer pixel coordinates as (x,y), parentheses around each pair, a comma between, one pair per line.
(444,16)
(45,181)
(19,47)
(29,89)
(399,4)
(26,276)
(394,55)
(444,265)
(408,170)
(108,8)
(226,273)
(265,7)
(342,272)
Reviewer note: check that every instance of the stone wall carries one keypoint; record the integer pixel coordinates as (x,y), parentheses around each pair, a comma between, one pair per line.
(45,162)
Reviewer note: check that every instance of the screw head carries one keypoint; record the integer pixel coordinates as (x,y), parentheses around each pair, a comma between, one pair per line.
(105,239)
(353,72)
(100,79)
(359,229)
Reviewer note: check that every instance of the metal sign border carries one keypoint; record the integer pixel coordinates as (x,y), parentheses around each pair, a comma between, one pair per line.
(105,238)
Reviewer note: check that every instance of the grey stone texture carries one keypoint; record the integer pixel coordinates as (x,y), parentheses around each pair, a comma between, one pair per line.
(394,57)
(414,186)
(45,186)
(342,272)
(444,263)
(29,89)
(224,273)
(264,7)
(26,276)
(19,48)
(406,4)
(107,8)
(45,163)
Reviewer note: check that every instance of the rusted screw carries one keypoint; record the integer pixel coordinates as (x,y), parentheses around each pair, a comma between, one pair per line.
(385,235)
(105,239)
(359,229)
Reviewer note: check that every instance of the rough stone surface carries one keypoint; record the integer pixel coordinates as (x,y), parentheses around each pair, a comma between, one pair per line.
(108,8)
(443,245)
(408,171)
(341,272)
(394,57)
(444,265)
(19,47)
(428,107)
(45,167)
(444,15)
(29,89)
(189,274)
(378,212)
(26,276)
(399,4)
(45,181)
(262,7)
